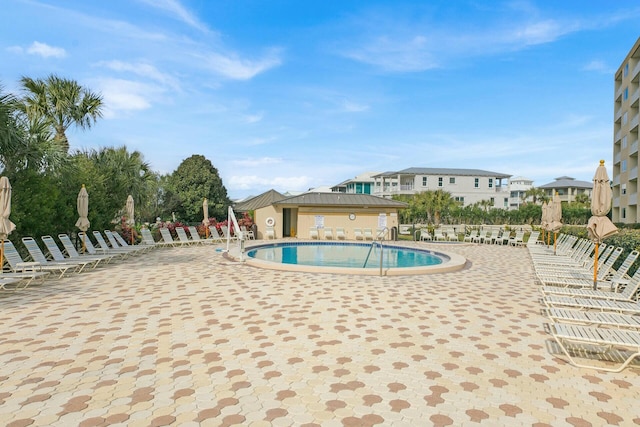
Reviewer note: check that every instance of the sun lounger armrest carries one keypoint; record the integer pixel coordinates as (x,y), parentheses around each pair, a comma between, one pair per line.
(28,266)
(617,283)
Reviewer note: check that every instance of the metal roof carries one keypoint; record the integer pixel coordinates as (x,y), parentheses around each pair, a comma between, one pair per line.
(260,201)
(567,182)
(340,199)
(446,172)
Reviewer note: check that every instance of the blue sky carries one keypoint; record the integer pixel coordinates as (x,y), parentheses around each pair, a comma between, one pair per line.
(297,94)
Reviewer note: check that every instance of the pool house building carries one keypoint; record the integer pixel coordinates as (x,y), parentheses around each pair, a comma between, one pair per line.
(299,216)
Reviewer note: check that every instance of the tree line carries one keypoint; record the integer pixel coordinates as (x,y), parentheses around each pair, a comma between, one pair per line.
(46,177)
(439,207)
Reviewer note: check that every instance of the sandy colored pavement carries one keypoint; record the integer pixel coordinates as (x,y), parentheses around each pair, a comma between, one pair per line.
(184,337)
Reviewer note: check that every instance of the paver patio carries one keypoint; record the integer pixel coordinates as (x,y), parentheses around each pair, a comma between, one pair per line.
(185,337)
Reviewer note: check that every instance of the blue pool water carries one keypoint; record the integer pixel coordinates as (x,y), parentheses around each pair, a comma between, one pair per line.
(340,254)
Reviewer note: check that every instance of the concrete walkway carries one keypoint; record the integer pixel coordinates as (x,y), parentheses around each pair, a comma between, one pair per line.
(184,337)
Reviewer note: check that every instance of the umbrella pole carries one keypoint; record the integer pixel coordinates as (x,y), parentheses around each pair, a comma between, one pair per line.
(555,236)
(595,268)
(84,245)
(2,256)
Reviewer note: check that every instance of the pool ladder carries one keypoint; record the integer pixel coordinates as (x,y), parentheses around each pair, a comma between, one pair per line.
(380,237)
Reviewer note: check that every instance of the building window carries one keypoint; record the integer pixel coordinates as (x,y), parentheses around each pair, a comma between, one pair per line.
(625,118)
(624,141)
(424,181)
(624,213)
(439,181)
(625,96)
(452,180)
(506,202)
(623,166)
(476,182)
(493,201)
(459,199)
(626,69)
(490,182)
(624,188)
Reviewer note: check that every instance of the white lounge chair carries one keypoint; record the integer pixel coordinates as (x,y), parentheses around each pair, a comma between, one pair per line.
(328,233)
(340,233)
(148,240)
(226,233)
(117,242)
(57,255)
(104,246)
(368,234)
(559,284)
(472,235)
(576,299)
(72,252)
(357,234)
(593,318)
(313,233)
(28,271)
(270,233)
(248,234)
(583,340)
(425,235)
(214,234)
(38,257)
(518,239)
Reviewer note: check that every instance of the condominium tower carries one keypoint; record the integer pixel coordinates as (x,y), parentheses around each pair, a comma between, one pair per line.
(625,139)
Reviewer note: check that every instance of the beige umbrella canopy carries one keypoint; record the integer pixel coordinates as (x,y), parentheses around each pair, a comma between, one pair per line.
(544,222)
(6,226)
(83,212)
(599,226)
(556,217)
(130,211)
(205,213)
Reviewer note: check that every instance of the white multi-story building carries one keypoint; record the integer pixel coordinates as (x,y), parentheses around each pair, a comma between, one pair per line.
(467,186)
(361,184)
(626,117)
(518,188)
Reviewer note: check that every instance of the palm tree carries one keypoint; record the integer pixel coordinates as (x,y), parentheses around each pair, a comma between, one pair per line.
(11,135)
(537,194)
(61,103)
(439,203)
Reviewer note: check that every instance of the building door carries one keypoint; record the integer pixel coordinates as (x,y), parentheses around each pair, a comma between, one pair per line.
(289,222)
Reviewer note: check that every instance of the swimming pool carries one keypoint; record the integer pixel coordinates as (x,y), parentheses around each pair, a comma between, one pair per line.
(351,258)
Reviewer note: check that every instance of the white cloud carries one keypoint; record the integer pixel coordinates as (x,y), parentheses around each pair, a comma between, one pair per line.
(247,182)
(142,69)
(176,10)
(251,162)
(253,118)
(46,51)
(125,95)
(599,67)
(233,67)
(352,107)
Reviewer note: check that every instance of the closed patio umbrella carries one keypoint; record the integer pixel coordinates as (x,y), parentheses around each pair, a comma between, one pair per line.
(544,222)
(130,211)
(556,218)
(83,212)
(599,226)
(6,226)
(205,213)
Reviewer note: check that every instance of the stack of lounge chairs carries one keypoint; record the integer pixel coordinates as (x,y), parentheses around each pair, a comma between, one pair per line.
(594,322)
(49,259)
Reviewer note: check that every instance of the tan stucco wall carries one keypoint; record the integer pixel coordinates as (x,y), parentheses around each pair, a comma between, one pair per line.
(260,217)
(333,217)
(336,217)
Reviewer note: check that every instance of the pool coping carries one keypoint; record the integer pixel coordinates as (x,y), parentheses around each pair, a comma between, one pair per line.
(456,262)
